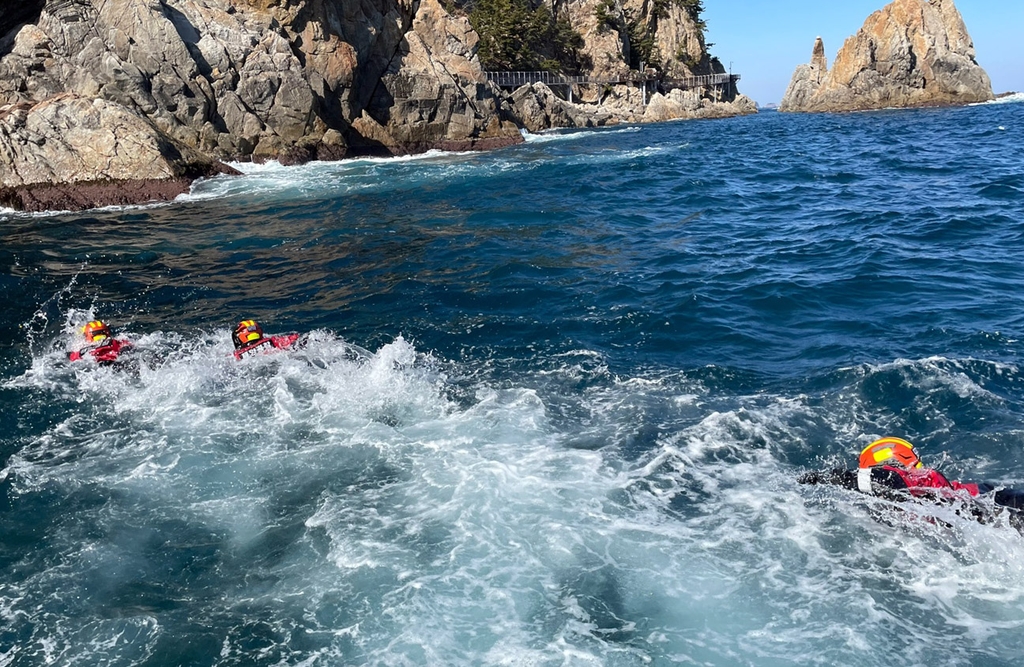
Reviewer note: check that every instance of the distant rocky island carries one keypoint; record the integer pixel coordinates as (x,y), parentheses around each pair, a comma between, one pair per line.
(123,101)
(912,53)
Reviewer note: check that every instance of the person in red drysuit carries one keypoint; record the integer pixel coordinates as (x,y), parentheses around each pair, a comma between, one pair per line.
(249,340)
(100,344)
(890,468)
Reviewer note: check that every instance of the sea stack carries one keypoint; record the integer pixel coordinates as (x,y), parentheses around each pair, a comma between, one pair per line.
(912,53)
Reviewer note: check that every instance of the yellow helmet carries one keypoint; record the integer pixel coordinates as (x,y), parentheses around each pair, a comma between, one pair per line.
(96,331)
(891,451)
(247,331)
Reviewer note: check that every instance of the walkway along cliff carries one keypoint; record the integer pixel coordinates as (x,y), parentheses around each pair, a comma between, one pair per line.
(912,53)
(151,94)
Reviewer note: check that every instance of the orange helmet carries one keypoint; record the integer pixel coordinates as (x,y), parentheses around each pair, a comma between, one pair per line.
(96,331)
(890,451)
(246,332)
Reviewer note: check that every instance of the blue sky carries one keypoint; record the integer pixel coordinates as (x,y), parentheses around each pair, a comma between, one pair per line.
(765,41)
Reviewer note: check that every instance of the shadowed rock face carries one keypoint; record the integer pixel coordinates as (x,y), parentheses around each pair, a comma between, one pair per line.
(16,12)
(912,53)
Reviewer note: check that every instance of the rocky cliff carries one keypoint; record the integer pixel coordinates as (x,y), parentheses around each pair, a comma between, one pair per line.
(665,38)
(537,108)
(620,35)
(69,153)
(192,83)
(251,79)
(912,53)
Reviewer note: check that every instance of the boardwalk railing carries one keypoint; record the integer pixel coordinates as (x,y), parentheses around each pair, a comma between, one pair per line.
(517,79)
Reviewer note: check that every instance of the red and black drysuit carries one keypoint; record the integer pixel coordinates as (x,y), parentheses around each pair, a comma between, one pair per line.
(898,484)
(266,344)
(106,353)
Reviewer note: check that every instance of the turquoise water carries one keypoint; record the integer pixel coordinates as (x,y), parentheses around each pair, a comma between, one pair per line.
(550,412)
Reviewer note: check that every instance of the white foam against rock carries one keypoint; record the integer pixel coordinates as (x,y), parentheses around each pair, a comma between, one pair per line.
(1014,98)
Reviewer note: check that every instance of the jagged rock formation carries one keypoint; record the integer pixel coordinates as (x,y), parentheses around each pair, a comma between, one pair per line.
(620,35)
(679,104)
(67,153)
(259,79)
(265,78)
(807,79)
(196,81)
(912,53)
(537,108)
(433,92)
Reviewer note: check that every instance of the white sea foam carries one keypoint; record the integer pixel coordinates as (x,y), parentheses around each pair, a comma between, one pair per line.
(1015,98)
(407,529)
(549,136)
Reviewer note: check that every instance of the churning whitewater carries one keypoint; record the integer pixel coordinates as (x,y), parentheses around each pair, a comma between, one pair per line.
(549,406)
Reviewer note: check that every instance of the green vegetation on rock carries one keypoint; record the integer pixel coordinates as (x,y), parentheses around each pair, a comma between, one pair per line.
(514,35)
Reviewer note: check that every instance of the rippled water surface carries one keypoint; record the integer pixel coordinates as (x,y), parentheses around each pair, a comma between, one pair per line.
(550,409)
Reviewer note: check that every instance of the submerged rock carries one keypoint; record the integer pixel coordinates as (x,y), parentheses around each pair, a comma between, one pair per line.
(912,53)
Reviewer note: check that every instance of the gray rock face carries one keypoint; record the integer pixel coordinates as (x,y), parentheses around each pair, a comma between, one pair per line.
(537,108)
(292,80)
(260,79)
(69,152)
(807,79)
(687,104)
(912,53)
(433,92)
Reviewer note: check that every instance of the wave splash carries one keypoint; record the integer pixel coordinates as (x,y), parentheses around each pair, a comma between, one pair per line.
(334,504)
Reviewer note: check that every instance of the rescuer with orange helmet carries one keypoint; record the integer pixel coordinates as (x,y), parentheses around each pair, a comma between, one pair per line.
(249,340)
(100,344)
(891,468)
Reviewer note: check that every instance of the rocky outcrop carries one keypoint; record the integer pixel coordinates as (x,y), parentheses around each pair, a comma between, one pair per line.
(537,108)
(259,79)
(912,53)
(197,81)
(807,79)
(72,153)
(426,101)
(688,104)
(620,37)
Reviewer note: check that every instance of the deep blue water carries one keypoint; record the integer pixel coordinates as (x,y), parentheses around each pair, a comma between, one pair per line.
(551,410)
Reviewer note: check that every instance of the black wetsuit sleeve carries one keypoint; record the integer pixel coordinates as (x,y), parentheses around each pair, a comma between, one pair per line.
(890,479)
(836,477)
(885,483)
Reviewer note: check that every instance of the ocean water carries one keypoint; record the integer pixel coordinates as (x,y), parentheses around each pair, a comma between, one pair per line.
(551,407)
